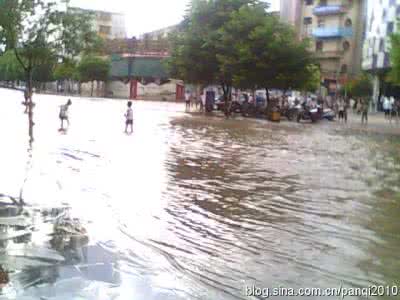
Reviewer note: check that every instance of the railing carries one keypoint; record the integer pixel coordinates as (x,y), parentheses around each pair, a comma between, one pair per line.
(326,10)
(332,32)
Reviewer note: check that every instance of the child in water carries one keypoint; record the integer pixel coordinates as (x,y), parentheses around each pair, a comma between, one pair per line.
(129,118)
(64,114)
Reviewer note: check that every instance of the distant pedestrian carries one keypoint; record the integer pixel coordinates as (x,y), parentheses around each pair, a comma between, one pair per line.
(364,110)
(392,108)
(386,107)
(187,101)
(397,110)
(129,118)
(64,115)
(203,98)
(341,109)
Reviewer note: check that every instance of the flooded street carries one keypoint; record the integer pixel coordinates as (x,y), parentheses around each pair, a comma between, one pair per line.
(190,207)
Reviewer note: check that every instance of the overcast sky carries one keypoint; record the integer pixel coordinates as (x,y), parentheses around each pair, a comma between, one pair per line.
(146,15)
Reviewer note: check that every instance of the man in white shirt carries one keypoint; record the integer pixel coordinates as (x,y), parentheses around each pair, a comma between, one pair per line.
(187,100)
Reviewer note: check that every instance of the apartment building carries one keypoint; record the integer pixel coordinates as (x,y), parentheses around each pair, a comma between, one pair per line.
(336,29)
(109,25)
(290,12)
(381,23)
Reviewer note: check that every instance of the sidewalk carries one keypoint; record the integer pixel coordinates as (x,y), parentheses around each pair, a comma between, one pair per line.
(376,124)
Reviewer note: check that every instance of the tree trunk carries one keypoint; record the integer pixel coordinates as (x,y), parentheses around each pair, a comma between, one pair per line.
(30,104)
(227,99)
(267,94)
(91,92)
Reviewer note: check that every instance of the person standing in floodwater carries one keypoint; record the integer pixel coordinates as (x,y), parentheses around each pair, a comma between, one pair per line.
(64,114)
(187,101)
(341,110)
(364,110)
(129,118)
(396,108)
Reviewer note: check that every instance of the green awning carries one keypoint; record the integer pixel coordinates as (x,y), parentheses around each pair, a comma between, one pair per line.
(141,67)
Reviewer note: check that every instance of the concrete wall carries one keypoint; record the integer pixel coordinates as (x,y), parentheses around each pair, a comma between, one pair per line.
(99,89)
(118,89)
(151,91)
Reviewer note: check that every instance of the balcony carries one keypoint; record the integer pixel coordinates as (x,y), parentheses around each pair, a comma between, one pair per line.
(332,32)
(328,54)
(326,10)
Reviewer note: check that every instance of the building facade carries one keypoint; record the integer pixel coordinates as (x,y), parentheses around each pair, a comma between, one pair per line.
(381,23)
(290,12)
(109,25)
(336,29)
(159,34)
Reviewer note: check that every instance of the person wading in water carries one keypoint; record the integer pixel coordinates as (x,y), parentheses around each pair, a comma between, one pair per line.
(64,114)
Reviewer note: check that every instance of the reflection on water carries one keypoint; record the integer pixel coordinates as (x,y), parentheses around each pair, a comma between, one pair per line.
(190,207)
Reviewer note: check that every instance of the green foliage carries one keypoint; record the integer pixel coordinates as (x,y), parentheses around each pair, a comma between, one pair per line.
(394,74)
(38,30)
(10,68)
(237,43)
(78,35)
(194,53)
(312,79)
(93,68)
(66,70)
(263,52)
(359,87)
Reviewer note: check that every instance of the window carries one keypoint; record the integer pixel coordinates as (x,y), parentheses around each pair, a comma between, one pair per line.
(309,2)
(343,69)
(390,27)
(346,45)
(319,46)
(321,23)
(105,16)
(105,29)
(323,3)
(384,15)
(307,21)
(348,23)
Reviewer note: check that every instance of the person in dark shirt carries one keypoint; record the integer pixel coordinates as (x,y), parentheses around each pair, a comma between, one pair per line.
(64,113)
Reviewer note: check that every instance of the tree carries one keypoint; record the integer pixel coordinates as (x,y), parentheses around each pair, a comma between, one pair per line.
(360,86)
(93,68)
(238,43)
(262,52)
(10,68)
(394,74)
(195,54)
(37,30)
(313,78)
(66,71)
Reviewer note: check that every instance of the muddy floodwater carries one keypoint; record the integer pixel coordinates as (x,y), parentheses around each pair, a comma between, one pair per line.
(190,207)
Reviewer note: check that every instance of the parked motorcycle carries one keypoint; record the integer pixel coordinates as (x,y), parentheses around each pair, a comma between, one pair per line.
(309,114)
(328,114)
(291,113)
